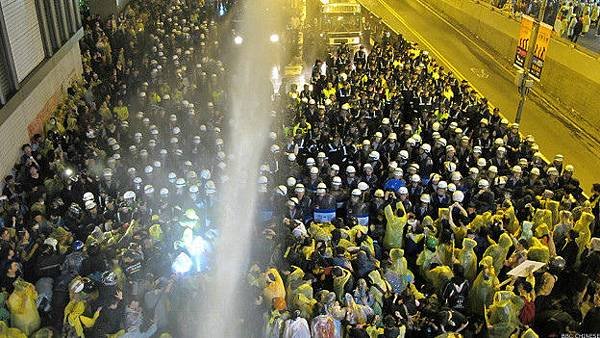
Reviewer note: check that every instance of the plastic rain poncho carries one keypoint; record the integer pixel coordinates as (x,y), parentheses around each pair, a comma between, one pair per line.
(527,230)
(23,310)
(10,332)
(498,251)
(542,216)
(394,227)
(333,308)
(303,300)
(323,326)
(294,279)
(502,315)
(296,328)
(397,273)
(274,287)
(512,223)
(275,324)
(468,259)
(484,287)
(357,314)
(339,282)
(537,251)
(440,276)
(75,319)
(582,226)
(480,221)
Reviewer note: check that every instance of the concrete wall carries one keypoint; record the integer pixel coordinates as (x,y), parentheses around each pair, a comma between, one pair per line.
(570,75)
(29,108)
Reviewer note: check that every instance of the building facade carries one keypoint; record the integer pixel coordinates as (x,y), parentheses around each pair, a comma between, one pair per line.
(39,57)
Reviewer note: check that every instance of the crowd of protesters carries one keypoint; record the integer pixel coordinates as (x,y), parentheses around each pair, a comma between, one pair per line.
(398,202)
(393,201)
(117,192)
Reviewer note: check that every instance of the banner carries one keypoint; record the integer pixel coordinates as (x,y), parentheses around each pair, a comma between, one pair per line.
(523,42)
(541,48)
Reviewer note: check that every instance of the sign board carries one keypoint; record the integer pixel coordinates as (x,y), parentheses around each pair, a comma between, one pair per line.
(523,42)
(541,48)
(522,270)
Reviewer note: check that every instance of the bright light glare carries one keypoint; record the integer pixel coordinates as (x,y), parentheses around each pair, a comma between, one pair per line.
(275,73)
(182,264)
(274,38)
(324,2)
(68,172)
(238,40)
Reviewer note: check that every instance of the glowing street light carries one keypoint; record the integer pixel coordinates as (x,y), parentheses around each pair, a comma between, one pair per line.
(238,40)
(274,38)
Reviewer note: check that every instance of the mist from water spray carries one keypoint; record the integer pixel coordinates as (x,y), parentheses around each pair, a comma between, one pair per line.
(249,122)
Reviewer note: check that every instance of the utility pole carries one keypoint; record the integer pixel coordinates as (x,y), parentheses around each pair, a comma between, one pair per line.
(525,83)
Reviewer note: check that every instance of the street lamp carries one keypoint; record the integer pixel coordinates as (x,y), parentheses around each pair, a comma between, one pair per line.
(238,40)
(274,38)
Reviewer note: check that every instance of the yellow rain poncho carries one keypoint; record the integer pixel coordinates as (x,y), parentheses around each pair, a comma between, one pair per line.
(76,320)
(484,287)
(122,112)
(10,332)
(511,223)
(468,259)
(23,310)
(397,274)
(395,226)
(440,276)
(357,313)
(274,286)
(542,216)
(340,282)
(304,300)
(582,226)
(479,221)
(503,314)
(498,251)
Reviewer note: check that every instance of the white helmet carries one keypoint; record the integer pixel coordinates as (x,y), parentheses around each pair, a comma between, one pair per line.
(88,196)
(363,186)
(458,196)
(483,183)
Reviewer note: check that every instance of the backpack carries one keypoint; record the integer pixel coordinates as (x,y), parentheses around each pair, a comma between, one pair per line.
(527,315)
(456,295)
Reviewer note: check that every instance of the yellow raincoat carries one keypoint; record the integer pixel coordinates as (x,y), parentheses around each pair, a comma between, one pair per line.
(498,251)
(10,332)
(468,258)
(74,317)
(23,310)
(394,226)
(484,286)
(274,288)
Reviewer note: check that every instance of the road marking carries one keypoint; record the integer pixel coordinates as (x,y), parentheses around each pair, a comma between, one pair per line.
(480,72)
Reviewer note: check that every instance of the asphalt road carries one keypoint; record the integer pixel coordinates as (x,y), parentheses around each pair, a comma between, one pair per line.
(460,53)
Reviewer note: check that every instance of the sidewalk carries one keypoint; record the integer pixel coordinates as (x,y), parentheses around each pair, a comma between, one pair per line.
(590,42)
